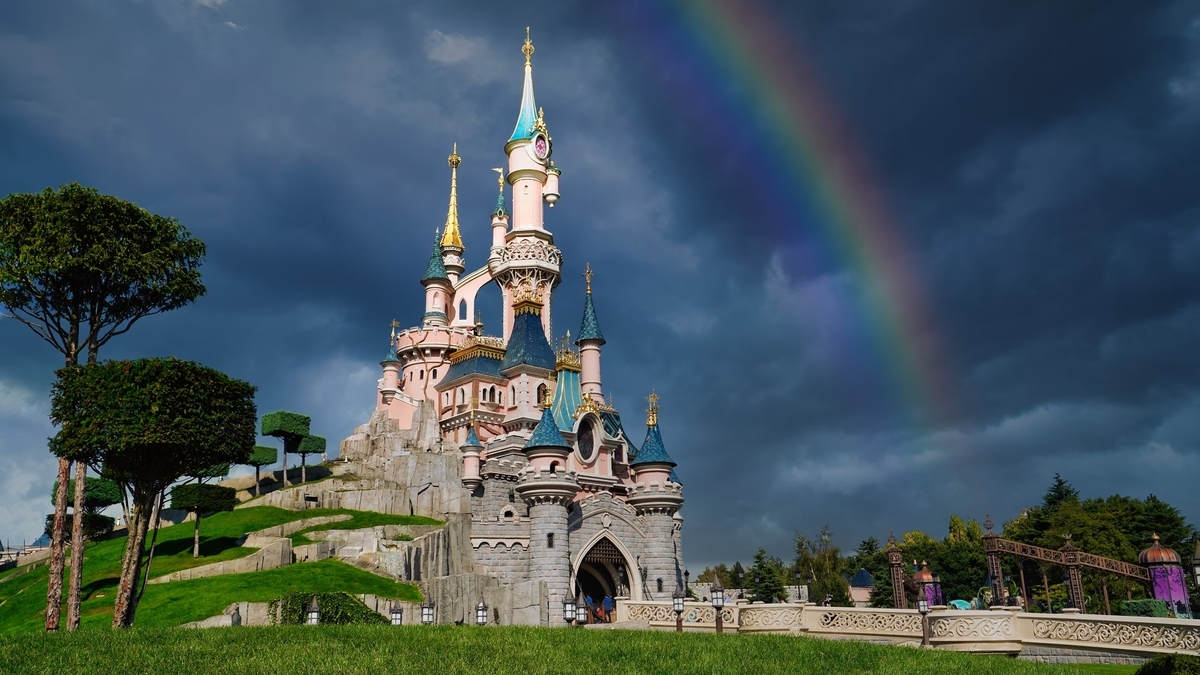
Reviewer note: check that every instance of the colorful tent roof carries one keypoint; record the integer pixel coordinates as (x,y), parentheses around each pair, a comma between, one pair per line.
(547,435)
(567,399)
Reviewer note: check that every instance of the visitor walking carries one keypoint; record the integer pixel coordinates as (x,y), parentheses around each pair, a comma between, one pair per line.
(608,607)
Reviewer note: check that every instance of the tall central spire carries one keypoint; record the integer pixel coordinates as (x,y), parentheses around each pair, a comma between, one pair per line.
(528,115)
(452,238)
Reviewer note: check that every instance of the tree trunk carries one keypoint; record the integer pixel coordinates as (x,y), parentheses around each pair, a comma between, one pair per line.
(256,481)
(303,467)
(285,483)
(156,519)
(1104,585)
(196,537)
(73,597)
(1046,587)
(125,606)
(54,590)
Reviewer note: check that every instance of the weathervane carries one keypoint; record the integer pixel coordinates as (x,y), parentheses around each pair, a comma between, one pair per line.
(652,411)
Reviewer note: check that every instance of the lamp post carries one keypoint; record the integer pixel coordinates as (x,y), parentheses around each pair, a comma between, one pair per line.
(686,581)
(811,582)
(718,600)
(798,576)
(741,590)
(427,612)
(397,614)
(677,605)
(568,608)
(481,613)
(622,580)
(923,608)
(314,612)
(581,610)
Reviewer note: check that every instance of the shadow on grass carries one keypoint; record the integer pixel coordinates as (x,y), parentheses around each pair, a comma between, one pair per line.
(208,547)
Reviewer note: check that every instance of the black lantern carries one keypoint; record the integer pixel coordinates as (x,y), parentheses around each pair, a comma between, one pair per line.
(427,612)
(397,614)
(621,578)
(677,605)
(718,600)
(314,612)
(481,613)
(923,609)
(581,611)
(687,583)
(568,608)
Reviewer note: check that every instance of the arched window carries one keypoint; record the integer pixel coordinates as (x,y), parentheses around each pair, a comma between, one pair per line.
(433,374)
(508,515)
(550,544)
(462,309)
(541,394)
(501,397)
(659,584)
(422,373)
(514,394)
(462,395)
(553,467)
(492,394)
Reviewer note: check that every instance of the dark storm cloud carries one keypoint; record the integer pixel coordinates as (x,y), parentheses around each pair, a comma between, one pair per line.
(1042,163)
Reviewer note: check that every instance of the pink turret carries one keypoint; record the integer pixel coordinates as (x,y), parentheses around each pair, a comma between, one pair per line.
(589,342)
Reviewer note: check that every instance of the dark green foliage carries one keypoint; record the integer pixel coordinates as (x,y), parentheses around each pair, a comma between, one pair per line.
(152,421)
(208,473)
(263,455)
(719,572)
(1171,664)
(201,498)
(821,560)
(95,525)
(311,444)
(337,609)
(74,256)
(766,577)
(289,427)
(1145,607)
(98,493)
(1060,491)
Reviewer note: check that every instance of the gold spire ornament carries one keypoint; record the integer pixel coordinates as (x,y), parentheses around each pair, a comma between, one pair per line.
(539,124)
(652,411)
(452,238)
(527,48)
(587,275)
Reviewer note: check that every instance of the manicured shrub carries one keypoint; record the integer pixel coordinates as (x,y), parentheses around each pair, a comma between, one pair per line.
(1145,607)
(337,609)
(1171,664)
(95,525)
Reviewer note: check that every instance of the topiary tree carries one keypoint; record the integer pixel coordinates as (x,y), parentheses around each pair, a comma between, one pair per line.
(199,499)
(262,455)
(288,427)
(309,445)
(150,422)
(98,494)
(79,268)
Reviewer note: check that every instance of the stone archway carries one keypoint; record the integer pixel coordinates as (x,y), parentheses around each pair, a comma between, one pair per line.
(596,567)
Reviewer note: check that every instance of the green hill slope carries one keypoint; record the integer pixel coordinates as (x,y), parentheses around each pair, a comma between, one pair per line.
(23,598)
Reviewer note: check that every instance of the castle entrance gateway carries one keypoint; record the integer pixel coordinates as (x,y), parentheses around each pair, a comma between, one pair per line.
(604,570)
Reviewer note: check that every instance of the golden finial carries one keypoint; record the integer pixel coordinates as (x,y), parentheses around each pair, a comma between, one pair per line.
(499,177)
(395,325)
(452,237)
(548,399)
(587,274)
(539,124)
(652,411)
(527,48)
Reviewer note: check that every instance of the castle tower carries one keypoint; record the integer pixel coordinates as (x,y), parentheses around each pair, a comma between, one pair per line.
(438,289)
(499,221)
(470,450)
(549,491)
(452,243)
(657,498)
(529,257)
(589,342)
(391,369)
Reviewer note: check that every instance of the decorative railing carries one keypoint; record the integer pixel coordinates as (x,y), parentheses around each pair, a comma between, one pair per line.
(998,631)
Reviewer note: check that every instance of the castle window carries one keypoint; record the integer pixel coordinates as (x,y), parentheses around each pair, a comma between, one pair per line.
(541,394)
(508,515)
(462,309)
(462,395)
(514,393)
(553,467)
(422,373)
(550,544)
(501,397)
(433,375)
(659,585)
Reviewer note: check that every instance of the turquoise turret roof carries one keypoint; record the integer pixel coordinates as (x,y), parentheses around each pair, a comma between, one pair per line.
(500,205)
(527,344)
(652,451)
(528,114)
(436,270)
(472,439)
(567,399)
(590,330)
(547,435)
(391,355)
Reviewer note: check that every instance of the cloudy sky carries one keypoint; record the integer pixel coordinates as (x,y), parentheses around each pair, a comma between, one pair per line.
(1037,168)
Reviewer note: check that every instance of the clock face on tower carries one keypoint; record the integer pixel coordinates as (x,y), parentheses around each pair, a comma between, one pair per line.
(541,147)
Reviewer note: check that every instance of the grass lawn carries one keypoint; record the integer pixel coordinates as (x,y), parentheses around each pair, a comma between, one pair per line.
(1105,669)
(361,519)
(450,650)
(23,599)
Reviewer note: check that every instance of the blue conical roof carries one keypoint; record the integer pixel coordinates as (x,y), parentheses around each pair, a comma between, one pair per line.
(652,451)
(472,439)
(547,435)
(391,355)
(527,344)
(590,330)
(436,270)
(528,115)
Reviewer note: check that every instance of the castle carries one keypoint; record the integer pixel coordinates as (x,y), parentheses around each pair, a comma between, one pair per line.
(508,439)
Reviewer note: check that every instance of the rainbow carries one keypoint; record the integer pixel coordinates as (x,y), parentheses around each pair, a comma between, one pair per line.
(727,58)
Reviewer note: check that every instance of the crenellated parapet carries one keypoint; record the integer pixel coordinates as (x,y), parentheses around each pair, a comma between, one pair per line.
(655,498)
(537,487)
